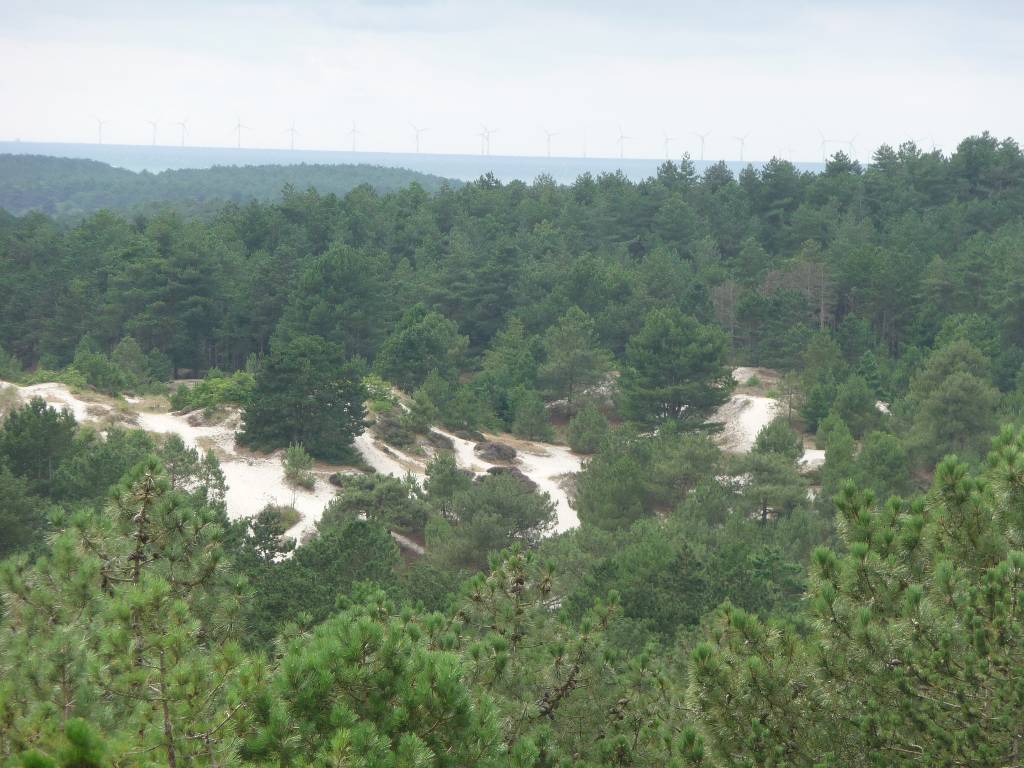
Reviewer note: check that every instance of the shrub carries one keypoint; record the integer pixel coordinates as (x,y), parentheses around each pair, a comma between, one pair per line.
(380,393)
(587,429)
(298,467)
(285,515)
(529,416)
(214,391)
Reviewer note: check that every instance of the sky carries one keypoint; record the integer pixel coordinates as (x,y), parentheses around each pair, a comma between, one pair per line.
(784,74)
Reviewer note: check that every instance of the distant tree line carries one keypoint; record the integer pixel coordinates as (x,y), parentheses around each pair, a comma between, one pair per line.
(73,188)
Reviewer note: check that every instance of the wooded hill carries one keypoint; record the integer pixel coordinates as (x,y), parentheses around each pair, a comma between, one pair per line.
(70,187)
(712,609)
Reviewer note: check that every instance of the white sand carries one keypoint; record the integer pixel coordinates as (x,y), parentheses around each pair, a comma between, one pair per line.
(743,416)
(813,458)
(547,465)
(255,481)
(60,397)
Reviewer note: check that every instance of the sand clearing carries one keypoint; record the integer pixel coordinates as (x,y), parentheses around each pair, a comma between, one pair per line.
(253,481)
(547,465)
(743,416)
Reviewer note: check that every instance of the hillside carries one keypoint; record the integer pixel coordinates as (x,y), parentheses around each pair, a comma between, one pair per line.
(65,186)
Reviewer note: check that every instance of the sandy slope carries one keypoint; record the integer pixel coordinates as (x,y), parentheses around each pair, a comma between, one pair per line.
(254,480)
(743,416)
(547,465)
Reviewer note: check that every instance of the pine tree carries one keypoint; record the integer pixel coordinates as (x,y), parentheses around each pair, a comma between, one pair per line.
(127,621)
(574,359)
(915,641)
(675,370)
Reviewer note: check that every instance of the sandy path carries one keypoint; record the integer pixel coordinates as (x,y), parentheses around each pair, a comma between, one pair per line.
(58,396)
(547,465)
(254,481)
(743,416)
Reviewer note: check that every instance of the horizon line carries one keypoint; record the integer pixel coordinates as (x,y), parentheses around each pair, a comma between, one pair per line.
(288,150)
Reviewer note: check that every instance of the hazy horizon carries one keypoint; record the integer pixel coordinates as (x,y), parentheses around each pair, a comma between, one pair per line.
(862,72)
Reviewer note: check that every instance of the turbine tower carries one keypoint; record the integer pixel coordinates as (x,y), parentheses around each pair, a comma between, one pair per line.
(183,124)
(852,148)
(549,134)
(292,133)
(623,138)
(668,142)
(418,131)
(99,127)
(703,137)
(353,133)
(743,142)
(237,130)
(485,139)
(824,147)
(153,124)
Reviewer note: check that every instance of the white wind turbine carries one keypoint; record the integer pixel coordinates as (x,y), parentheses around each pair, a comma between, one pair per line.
(623,138)
(850,145)
(743,142)
(418,131)
(668,142)
(353,133)
(99,127)
(703,137)
(153,124)
(292,133)
(824,146)
(549,135)
(237,130)
(485,139)
(183,124)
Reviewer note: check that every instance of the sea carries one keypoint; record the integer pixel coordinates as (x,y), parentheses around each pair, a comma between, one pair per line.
(506,168)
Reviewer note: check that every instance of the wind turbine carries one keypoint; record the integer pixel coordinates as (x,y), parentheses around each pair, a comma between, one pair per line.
(485,139)
(417,131)
(743,142)
(153,123)
(623,138)
(292,132)
(852,148)
(549,134)
(584,141)
(668,141)
(702,137)
(183,124)
(353,133)
(823,146)
(238,131)
(99,127)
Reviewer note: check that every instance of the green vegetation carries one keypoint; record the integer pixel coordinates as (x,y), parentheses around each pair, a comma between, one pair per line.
(65,186)
(214,391)
(298,467)
(587,429)
(306,394)
(712,609)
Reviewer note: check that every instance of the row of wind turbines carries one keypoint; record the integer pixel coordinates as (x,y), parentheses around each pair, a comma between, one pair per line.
(487,132)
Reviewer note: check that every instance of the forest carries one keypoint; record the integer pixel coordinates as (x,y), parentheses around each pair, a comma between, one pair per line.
(66,187)
(713,607)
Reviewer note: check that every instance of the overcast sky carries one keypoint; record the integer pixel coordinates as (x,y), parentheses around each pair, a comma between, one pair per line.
(778,71)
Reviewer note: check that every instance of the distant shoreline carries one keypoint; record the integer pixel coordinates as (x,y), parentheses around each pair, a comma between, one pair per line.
(505,168)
